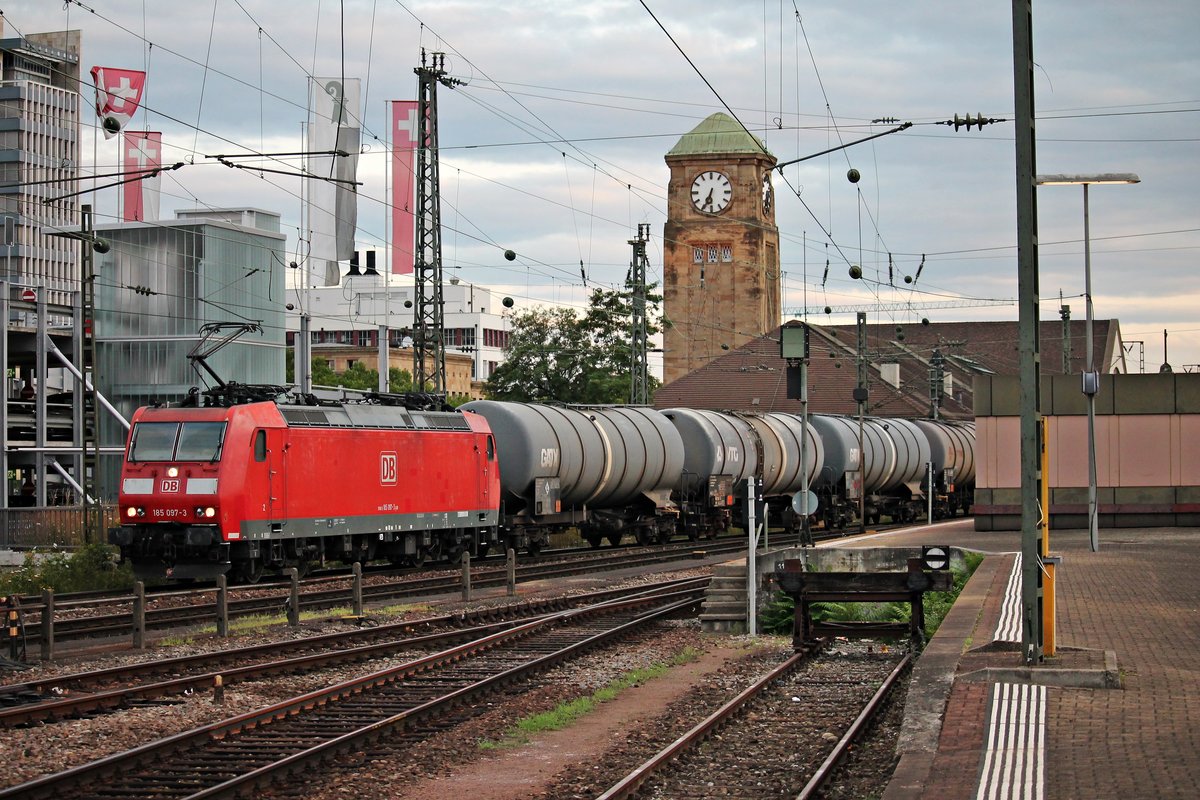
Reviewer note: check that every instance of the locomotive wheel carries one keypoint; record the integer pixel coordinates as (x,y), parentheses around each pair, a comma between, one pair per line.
(533,548)
(250,571)
(481,549)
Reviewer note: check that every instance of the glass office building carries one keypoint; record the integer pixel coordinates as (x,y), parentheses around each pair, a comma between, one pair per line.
(160,283)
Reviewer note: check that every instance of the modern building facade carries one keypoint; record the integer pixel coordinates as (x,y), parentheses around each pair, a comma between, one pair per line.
(161,282)
(39,158)
(40,113)
(351,315)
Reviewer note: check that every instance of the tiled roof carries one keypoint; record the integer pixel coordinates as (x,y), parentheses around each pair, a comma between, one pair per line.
(754,377)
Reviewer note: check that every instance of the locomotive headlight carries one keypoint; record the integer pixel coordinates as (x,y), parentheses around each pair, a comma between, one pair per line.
(210,512)
(131,512)
(172,472)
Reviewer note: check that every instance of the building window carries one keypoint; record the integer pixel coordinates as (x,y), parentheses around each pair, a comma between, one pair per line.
(726,253)
(697,255)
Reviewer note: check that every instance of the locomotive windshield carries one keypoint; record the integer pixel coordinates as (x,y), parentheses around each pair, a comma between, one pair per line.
(177,441)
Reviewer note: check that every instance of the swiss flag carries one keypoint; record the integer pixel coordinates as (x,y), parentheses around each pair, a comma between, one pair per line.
(118,92)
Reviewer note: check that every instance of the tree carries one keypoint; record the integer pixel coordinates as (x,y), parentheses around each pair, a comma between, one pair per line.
(356,377)
(559,355)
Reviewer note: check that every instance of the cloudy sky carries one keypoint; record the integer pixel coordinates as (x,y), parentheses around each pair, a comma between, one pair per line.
(554,146)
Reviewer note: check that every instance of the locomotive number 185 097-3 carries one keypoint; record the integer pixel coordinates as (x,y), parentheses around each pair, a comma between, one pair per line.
(168,513)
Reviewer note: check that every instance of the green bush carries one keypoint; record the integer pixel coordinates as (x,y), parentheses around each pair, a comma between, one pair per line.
(90,568)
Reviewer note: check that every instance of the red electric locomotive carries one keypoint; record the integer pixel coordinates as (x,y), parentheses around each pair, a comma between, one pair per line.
(262,485)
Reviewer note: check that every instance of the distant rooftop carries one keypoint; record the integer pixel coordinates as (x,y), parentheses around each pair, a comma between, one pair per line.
(246,217)
(753,377)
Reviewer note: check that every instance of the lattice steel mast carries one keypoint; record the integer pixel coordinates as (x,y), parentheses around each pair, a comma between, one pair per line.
(639,390)
(429,344)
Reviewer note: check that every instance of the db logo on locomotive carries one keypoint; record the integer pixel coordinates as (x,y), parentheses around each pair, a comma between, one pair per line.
(170,486)
(387,468)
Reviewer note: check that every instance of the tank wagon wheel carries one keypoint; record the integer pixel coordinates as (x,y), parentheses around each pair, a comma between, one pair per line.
(614,539)
(593,540)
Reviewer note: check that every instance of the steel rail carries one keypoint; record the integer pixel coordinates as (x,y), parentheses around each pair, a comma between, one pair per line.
(824,772)
(267,776)
(341,648)
(159,618)
(157,753)
(631,783)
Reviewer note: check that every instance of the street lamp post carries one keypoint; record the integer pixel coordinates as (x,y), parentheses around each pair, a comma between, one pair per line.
(1091,377)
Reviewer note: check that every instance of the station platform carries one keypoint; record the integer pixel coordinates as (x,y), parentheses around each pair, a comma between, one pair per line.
(1114,715)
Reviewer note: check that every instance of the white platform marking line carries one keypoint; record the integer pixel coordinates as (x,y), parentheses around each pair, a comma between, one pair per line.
(1008,629)
(1014,755)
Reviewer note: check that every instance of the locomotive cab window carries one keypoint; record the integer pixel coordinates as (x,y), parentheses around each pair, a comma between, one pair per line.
(491,449)
(175,441)
(260,446)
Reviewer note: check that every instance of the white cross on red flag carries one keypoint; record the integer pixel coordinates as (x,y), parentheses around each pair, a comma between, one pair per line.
(406,138)
(141,152)
(118,93)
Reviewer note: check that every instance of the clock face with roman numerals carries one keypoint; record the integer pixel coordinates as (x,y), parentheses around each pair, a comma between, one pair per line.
(711,192)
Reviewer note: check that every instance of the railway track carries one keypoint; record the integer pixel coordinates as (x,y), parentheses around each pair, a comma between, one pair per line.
(773,738)
(283,743)
(62,697)
(86,616)
(95,616)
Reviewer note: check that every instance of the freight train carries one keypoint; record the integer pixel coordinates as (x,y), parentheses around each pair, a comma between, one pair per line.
(254,486)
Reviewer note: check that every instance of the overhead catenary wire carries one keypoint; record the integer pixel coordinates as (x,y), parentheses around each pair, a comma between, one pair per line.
(899,255)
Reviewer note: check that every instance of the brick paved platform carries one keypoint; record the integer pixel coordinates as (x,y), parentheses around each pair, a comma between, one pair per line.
(1127,615)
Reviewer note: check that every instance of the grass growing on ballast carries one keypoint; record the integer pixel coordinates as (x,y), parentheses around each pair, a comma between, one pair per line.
(566,713)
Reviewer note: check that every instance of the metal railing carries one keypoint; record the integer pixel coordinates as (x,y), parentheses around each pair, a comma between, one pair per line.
(49,526)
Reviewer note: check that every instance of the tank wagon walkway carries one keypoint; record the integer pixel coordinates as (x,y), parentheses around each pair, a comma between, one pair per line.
(1115,715)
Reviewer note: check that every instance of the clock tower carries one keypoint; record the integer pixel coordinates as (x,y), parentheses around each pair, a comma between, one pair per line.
(720,246)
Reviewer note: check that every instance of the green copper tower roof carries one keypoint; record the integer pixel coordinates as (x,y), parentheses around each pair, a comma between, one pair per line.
(719,134)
